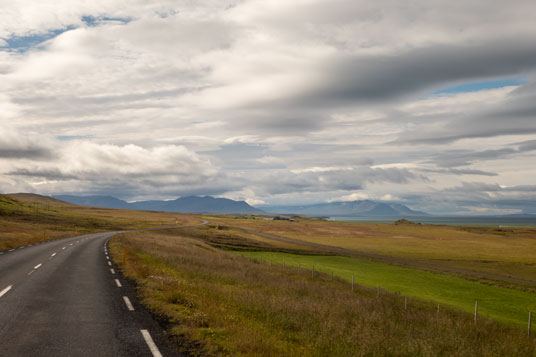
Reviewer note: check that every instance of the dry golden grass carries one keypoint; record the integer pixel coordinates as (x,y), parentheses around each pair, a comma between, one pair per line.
(28,218)
(224,304)
(507,251)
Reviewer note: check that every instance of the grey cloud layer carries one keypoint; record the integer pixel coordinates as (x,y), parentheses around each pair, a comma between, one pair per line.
(272,101)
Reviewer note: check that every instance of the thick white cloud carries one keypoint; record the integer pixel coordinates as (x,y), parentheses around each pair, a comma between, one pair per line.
(269,101)
(51,166)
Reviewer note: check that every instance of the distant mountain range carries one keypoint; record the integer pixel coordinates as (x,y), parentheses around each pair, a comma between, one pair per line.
(364,208)
(191,204)
(208,204)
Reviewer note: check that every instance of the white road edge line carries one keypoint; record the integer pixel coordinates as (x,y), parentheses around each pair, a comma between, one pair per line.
(118,283)
(38,266)
(149,340)
(4,292)
(128,303)
(113,271)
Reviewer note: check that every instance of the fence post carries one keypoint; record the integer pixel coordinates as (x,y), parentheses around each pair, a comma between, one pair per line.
(313,272)
(530,323)
(438,308)
(284,264)
(331,275)
(476,310)
(352,283)
(405,302)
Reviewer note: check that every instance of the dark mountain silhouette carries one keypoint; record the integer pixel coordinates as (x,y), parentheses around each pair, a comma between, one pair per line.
(94,201)
(191,204)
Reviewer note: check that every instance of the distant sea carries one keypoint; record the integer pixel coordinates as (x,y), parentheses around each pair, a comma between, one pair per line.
(451,221)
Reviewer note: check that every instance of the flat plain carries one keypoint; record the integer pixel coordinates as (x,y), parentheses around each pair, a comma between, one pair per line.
(229,288)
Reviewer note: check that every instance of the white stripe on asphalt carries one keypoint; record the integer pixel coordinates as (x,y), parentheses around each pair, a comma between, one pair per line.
(128,303)
(38,266)
(113,271)
(63,247)
(109,263)
(118,283)
(149,340)
(53,254)
(11,250)
(4,292)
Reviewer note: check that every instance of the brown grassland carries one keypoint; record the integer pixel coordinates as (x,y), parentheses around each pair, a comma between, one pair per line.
(28,218)
(506,251)
(219,303)
(215,302)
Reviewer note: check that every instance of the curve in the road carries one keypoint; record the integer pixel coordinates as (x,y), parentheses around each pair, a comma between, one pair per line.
(66,298)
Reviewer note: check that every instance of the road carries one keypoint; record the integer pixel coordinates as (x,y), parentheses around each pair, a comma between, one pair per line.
(66,298)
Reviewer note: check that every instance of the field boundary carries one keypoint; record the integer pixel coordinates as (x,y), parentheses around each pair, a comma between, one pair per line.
(357,253)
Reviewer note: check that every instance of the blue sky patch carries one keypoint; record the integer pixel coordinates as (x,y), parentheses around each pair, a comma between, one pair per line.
(483,85)
(25,43)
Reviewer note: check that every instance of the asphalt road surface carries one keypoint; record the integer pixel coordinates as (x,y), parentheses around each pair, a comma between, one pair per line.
(66,298)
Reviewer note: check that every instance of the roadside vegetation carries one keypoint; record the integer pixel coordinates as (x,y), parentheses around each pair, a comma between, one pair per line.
(218,302)
(28,218)
(507,305)
(233,287)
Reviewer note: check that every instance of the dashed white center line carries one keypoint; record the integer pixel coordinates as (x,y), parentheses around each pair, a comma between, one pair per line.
(4,292)
(152,346)
(113,271)
(63,247)
(38,266)
(118,283)
(71,244)
(11,250)
(109,263)
(53,254)
(128,303)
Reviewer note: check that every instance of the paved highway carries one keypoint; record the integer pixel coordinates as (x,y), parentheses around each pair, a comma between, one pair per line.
(66,298)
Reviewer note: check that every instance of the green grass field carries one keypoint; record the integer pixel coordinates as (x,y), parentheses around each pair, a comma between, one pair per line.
(506,251)
(507,305)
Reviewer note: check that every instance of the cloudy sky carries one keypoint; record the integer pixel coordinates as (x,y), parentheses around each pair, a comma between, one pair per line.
(427,103)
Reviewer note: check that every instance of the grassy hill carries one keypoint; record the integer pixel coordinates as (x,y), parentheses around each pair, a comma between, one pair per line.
(29,218)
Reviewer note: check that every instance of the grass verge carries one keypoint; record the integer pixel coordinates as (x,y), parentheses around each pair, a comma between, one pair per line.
(226,304)
(507,305)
